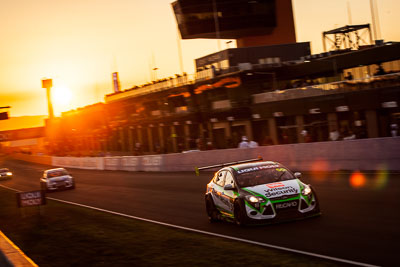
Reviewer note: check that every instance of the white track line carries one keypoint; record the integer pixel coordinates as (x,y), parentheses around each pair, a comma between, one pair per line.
(212,234)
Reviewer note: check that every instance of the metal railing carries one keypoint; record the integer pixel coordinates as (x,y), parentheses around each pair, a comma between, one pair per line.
(299,92)
(329,88)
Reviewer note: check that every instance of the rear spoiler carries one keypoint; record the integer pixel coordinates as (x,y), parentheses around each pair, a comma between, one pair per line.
(198,169)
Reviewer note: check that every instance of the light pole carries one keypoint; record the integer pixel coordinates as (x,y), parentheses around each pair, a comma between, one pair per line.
(375,19)
(179,51)
(155,73)
(217,33)
(48,84)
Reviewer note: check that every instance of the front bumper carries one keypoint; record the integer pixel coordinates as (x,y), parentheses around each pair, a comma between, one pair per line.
(283,210)
(60,185)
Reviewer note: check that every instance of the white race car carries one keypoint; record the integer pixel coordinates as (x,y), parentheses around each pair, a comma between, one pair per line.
(5,173)
(58,178)
(258,192)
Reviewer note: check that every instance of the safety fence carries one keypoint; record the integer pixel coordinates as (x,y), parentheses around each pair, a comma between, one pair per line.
(360,154)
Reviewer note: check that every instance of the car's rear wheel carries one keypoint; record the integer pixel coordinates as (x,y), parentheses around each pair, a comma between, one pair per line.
(212,211)
(241,218)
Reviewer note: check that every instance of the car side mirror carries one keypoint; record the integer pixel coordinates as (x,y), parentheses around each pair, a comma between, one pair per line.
(297,175)
(228,187)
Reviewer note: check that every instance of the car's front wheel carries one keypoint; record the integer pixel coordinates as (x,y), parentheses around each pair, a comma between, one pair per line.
(241,217)
(316,209)
(212,211)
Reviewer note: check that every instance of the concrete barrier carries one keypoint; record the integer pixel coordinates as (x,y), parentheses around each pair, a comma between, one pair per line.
(152,163)
(188,161)
(91,163)
(360,154)
(112,163)
(129,163)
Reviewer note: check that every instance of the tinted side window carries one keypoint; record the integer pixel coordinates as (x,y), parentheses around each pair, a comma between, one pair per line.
(229,179)
(220,178)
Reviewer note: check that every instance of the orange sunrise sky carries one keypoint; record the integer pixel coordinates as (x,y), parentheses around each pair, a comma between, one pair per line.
(79,43)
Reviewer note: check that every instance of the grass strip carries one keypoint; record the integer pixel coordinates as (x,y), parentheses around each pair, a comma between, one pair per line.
(59,235)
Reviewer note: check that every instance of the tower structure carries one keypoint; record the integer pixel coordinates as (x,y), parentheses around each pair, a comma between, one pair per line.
(347,37)
(251,23)
(48,84)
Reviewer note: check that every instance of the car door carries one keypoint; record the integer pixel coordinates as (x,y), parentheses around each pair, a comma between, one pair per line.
(229,195)
(218,191)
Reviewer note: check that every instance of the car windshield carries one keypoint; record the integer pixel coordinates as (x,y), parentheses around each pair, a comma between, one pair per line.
(57,173)
(262,175)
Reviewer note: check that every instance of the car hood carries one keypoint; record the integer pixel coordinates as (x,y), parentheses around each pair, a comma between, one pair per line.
(278,189)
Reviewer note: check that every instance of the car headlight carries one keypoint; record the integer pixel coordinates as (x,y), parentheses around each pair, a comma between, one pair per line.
(9,173)
(254,201)
(307,190)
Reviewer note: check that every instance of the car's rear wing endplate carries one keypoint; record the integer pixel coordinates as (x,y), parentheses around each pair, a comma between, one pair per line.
(198,169)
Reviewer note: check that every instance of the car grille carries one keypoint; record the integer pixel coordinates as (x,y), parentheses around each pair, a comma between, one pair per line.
(288,212)
(284,197)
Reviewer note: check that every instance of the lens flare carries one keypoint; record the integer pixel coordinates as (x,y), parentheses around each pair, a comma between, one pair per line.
(381,179)
(319,169)
(357,180)
(61,97)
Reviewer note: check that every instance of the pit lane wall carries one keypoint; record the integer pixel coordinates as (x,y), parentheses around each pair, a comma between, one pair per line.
(361,154)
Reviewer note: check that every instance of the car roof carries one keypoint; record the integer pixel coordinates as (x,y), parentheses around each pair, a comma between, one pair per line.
(238,167)
(4,169)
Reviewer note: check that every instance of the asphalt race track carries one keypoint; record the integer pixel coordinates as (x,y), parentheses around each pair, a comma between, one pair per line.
(359,223)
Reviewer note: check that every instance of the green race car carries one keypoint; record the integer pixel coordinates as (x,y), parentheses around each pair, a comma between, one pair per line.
(258,192)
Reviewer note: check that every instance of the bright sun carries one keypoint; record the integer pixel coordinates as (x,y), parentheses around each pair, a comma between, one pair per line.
(61,96)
